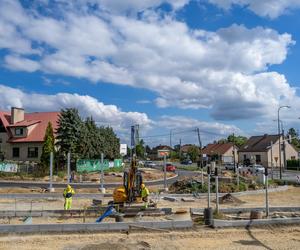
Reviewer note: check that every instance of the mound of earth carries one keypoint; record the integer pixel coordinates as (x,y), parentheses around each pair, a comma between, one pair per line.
(117,246)
(187,185)
(228,198)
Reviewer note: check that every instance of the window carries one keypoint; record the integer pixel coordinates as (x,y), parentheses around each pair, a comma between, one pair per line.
(258,159)
(19,131)
(293,158)
(33,152)
(16,152)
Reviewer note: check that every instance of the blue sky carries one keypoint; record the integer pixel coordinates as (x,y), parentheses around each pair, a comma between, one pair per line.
(224,66)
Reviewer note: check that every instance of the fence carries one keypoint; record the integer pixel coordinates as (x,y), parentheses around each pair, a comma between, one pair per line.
(85,165)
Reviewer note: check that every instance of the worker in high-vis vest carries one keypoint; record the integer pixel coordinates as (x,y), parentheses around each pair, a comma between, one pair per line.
(144,195)
(68,193)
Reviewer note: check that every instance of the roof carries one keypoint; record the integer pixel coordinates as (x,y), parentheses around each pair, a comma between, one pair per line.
(259,143)
(24,123)
(185,148)
(217,148)
(39,119)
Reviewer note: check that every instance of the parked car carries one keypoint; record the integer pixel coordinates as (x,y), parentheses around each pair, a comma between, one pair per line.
(149,164)
(253,169)
(186,162)
(170,167)
(229,166)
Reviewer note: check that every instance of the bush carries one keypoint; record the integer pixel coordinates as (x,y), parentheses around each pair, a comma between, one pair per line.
(293,164)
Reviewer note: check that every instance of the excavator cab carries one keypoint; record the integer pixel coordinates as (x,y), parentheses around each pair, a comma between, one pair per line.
(131,189)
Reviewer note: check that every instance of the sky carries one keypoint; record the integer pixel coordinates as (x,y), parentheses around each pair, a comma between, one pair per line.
(171,66)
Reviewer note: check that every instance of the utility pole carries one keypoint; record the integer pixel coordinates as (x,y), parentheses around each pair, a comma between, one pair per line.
(165,173)
(170,138)
(272,160)
(180,148)
(200,145)
(284,153)
(234,153)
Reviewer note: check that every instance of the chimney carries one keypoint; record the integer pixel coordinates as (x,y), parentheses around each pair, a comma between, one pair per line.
(17,115)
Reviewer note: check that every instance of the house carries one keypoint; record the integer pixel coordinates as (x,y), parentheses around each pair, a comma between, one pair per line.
(221,152)
(153,154)
(258,150)
(22,134)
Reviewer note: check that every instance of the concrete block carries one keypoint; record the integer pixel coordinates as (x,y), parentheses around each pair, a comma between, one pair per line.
(97,226)
(118,226)
(73,227)
(167,198)
(7,228)
(51,228)
(27,228)
(183,224)
(188,199)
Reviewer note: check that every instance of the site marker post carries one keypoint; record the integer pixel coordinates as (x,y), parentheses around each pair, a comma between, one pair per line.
(102,189)
(68,166)
(267,198)
(217,188)
(165,173)
(51,189)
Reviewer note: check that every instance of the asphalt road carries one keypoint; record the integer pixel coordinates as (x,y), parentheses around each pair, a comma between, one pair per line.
(287,175)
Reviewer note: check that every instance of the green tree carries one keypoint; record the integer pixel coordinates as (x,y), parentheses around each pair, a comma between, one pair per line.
(90,140)
(193,153)
(110,143)
(295,137)
(140,149)
(68,133)
(237,140)
(48,147)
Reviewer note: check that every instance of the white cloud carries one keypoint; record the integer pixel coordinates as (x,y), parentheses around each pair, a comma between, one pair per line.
(265,8)
(87,106)
(225,71)
(20,63)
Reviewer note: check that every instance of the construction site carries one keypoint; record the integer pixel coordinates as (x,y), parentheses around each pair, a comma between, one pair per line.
(173,218)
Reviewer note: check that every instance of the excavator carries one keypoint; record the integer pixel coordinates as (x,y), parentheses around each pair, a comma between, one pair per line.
(131,190)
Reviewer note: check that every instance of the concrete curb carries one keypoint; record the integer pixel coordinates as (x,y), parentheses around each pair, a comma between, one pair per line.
(248,223)
(251,192)
(248,209)
(38,228)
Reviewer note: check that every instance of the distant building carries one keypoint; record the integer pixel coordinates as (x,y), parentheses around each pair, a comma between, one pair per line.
(22,134)
(258,150)
(221,152)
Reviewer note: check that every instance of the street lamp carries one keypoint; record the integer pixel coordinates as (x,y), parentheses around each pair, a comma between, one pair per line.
(279,135)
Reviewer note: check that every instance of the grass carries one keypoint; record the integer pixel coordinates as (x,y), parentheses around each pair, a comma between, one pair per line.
(188,167)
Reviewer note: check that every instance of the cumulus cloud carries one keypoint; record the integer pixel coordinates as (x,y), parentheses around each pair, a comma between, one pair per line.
(265,8)
(88,106)
(225,71)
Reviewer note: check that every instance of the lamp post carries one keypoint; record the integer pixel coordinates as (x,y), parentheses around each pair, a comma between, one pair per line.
(279,135)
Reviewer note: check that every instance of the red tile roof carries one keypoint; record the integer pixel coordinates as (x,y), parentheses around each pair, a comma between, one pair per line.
(24,123)
(217,148)
(40,119)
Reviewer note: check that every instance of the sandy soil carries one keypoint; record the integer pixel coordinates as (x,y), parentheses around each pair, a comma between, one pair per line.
(200,238)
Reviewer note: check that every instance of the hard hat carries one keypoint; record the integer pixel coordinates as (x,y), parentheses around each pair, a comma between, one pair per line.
(142,185)
(69,187)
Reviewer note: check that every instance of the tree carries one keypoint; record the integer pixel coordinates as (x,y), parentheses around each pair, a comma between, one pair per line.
(48,147)
(90,140)
(295,137)
(68,133)
(193,153)
(110,142)
(237,140)
(140,149)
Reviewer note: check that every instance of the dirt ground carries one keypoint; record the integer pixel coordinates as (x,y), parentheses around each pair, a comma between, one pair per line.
(200,238)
